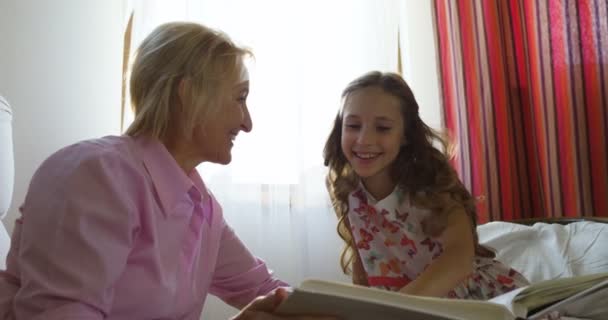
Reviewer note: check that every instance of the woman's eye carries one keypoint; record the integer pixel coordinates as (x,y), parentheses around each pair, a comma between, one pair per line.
(353,126)
(384,129)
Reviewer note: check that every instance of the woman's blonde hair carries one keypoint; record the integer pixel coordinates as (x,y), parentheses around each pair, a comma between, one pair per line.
(207,59)
(421,170)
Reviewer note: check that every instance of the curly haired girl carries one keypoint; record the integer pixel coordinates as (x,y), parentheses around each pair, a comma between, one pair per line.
(408,222)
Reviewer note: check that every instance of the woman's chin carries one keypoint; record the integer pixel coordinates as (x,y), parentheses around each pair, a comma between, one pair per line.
(224,160)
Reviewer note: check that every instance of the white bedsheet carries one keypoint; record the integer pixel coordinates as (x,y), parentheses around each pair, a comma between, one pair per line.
(547,251)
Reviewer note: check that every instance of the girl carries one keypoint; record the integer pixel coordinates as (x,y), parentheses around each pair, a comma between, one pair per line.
(408,222)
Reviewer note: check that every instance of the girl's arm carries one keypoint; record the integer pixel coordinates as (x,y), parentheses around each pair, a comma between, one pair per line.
(454,264)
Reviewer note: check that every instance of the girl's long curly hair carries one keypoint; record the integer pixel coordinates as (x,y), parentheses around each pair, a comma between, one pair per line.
(421,170)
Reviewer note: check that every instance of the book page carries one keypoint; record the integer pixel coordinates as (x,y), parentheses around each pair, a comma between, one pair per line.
(353,302)
(307,303)
(588,304)
(507,300)
(546,292)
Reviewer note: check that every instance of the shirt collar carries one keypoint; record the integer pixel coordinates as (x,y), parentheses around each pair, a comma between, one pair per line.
(394,198)
(169,180)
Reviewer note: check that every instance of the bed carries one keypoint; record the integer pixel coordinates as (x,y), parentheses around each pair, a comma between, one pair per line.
(544,249)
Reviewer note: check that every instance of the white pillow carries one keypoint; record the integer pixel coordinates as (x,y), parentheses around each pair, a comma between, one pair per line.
(547,251)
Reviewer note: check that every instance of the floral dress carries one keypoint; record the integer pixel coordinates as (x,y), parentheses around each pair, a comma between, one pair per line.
(394,250)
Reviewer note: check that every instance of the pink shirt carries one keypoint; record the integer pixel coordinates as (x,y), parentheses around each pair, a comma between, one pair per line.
(113,229)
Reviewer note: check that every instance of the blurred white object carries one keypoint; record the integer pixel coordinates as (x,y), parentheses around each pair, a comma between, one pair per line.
(5,242)
(548,251)
(7,169)
(7,173)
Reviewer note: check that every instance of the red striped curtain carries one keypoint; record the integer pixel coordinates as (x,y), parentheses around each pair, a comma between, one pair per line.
(525,95)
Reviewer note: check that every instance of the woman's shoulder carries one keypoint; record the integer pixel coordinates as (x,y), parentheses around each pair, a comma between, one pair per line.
(119,147)
(110,155)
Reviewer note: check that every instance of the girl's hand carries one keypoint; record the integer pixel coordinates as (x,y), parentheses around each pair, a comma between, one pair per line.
(262,308)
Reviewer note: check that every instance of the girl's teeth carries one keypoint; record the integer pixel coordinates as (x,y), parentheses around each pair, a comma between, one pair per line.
(366,155)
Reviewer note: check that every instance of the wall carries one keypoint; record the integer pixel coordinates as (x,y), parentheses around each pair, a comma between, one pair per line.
(60,68)
(420,59)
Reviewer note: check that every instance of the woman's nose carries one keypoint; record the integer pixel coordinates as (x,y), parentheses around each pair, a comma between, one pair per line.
(247,123)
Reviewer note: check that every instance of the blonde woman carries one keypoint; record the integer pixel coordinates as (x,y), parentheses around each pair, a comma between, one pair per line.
(124,227)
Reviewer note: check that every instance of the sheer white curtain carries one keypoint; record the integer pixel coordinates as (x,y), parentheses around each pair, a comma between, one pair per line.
(273,192)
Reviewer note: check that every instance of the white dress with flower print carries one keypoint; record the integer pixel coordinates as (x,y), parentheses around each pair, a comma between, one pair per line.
(394,250)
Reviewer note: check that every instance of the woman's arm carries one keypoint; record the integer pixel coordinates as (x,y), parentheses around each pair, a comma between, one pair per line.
(453,265)
(239,277)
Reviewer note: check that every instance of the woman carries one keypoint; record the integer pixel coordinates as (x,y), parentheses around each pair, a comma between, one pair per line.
(124,227)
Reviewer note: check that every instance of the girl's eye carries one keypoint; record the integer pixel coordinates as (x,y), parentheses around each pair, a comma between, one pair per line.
(384,129)
(353,126)
(242,99)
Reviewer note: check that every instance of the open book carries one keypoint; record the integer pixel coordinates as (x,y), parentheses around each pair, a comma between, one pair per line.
(582,297)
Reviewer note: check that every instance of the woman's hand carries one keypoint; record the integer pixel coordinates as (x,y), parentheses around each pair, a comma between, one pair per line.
(262,308)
